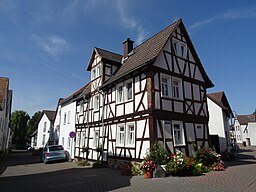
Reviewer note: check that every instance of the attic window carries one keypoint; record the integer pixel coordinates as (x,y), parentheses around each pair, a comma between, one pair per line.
(180,48)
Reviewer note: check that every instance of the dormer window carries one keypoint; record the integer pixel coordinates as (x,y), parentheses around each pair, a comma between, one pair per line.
(180,48)
(96,72)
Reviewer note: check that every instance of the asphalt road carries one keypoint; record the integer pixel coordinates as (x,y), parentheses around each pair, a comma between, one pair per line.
(20,171)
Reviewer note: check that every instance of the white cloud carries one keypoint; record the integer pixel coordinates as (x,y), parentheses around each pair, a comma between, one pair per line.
(53,45)
(229,14)
(129,22)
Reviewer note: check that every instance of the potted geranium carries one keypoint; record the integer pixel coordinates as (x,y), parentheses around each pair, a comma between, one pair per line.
(148,167)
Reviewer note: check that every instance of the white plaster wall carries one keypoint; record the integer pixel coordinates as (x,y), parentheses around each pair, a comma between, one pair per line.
(216,123)
(238,133)
(65,129)
(252,132)
(40,131)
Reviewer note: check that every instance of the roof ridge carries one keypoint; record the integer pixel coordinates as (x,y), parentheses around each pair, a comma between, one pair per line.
(179,20)
(107,50)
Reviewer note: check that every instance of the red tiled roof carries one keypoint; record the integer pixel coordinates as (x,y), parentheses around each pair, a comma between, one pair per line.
(245,119)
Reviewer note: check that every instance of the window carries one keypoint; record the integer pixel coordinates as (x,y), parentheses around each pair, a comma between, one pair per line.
(176,88)
(180,48)
(165,86)
(96,72)
(69,142)
(120,95)
(96,102)
(108,71)
(93,73)
(83,139)
(45,124)
(81,109)
(62,141)
(120,135)
(178,133)
(78,139)
(68,117)
(96,138)
(129,91)
(65,118)
(43,140)
(131,134)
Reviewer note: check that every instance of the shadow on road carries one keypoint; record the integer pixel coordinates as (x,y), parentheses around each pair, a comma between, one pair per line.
(244,157)
(18,157)
(75,179)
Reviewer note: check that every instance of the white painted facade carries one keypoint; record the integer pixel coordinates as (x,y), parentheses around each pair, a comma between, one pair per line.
(238,131)
(43,133)
(66,122)
(218,124)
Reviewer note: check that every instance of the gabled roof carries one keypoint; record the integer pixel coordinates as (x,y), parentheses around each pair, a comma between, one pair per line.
(4,83)
(245,119)
(221,100)
(106,55)
(147,52)
(74,95)
(49,114)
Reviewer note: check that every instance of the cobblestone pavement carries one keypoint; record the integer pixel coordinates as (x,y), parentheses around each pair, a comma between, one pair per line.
(22,172)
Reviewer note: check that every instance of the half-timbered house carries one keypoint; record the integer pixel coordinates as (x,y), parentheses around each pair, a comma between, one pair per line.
(155,92)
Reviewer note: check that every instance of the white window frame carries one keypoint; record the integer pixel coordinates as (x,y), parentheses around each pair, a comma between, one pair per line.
(83,139)
(126,91)
(120,140)
(43,140)
(96,138)
(69,143)
(65,118)
(108,70)
(182,137)
(81,107)
(45,125)
(68,117)
(178,48)
(77,139)
(129,132)
(96,103)
(168,84)
(177,88)
(119,99)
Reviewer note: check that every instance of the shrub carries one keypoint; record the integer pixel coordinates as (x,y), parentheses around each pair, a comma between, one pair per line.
(97,164)
(207,156)
(148,165)
(131,168)
(179,165)
(158,154)
(219,166)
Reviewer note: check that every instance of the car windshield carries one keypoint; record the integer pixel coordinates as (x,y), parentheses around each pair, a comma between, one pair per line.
(55,148)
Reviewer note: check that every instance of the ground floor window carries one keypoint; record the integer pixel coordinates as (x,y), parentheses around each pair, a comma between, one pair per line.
(77,139)
(43,141)
(125,134)
(178,133)
(96,138)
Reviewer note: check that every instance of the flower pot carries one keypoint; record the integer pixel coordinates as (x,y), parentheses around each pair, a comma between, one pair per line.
(148,175)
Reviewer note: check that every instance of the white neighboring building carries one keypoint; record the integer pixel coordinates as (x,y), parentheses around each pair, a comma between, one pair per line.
(219,114)
(64,122)
(45,134)
(245,128)
(5,114)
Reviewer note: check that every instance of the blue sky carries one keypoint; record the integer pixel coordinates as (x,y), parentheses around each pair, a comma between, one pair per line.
(45,45)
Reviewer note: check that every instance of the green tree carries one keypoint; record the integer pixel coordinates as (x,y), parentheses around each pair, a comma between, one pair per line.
(32,124)
(19,123)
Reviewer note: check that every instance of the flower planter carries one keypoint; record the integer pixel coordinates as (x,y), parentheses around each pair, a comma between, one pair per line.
(148,175)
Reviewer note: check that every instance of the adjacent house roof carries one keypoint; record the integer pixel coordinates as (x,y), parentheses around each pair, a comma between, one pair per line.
(49,114)
(221,100)
(147,52)
(4,83)
(106,55)
(245,119)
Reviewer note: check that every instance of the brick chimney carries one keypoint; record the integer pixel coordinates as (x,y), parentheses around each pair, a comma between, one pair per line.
(128,47)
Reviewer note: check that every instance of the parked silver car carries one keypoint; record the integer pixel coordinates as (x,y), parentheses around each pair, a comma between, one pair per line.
(53,153)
